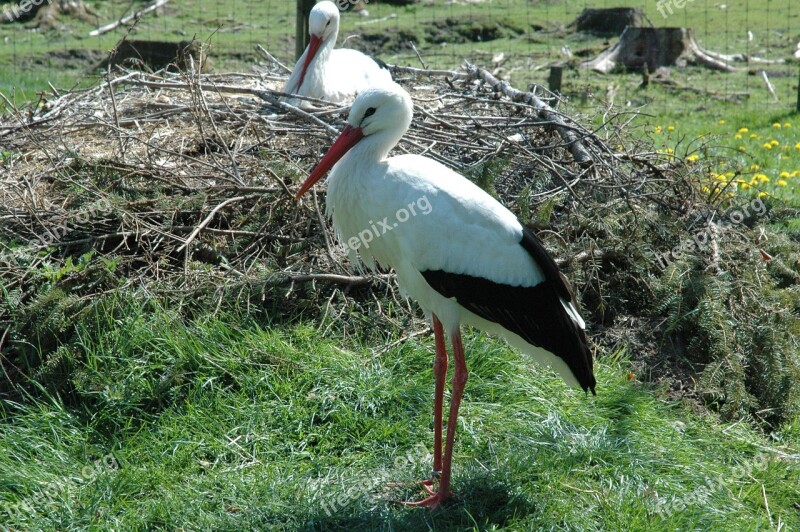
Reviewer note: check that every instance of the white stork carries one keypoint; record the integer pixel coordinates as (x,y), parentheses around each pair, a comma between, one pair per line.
(328,74)
(463,256)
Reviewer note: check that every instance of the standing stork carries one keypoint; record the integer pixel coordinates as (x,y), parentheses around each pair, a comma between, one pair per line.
(463,256)
(334,75)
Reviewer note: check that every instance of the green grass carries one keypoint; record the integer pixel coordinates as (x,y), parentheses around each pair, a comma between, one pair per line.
(230,424)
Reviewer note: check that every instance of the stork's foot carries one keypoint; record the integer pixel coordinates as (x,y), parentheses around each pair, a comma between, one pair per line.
(435,498)
(433,502)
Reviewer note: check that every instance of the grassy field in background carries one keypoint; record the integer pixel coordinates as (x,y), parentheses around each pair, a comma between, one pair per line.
(29,59)
(238,422)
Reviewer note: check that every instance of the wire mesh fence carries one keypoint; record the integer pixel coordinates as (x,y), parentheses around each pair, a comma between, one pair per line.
(519,39)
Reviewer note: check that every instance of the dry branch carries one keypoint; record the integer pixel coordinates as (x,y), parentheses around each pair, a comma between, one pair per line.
(769,85)
(124,20)
(202,167)
(568,134)
(271,58)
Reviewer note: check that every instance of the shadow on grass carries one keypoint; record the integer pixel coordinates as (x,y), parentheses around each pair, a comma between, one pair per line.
(480,503)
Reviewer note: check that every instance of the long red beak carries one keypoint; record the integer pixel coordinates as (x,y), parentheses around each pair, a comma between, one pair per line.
(348,138)
(313,47)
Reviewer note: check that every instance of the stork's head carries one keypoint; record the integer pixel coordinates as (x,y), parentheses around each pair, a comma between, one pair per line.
(386,107)
(380,115)
(323,22)
(323,25)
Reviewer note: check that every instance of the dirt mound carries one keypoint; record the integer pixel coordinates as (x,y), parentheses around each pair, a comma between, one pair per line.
(180,187)
(454,30)
(609,21)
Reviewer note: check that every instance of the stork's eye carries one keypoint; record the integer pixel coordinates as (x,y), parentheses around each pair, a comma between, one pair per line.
(328,23)
(370,112)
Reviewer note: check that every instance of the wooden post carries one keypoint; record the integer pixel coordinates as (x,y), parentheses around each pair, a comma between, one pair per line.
(798,92)
(302,36)
(554,79)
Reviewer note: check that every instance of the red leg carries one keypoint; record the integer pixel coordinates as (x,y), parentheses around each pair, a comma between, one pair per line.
(440,372)
(460,376)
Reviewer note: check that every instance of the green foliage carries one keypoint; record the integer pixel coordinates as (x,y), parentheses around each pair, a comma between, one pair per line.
(737,328)
(485,173)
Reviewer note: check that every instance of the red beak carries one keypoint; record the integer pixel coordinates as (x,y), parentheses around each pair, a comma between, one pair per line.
(348,138)
(313,47)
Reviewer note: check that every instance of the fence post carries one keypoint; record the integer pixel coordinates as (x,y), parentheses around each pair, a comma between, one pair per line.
(798,90)
(554,79)
(302,37)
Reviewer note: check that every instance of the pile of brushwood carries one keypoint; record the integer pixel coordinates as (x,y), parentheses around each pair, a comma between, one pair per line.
(178,189)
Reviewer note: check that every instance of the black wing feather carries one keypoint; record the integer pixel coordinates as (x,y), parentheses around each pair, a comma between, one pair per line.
(380,62)
(534,313)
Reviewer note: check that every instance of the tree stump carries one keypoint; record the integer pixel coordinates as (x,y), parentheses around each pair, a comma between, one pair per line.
(611,21)
(654,48)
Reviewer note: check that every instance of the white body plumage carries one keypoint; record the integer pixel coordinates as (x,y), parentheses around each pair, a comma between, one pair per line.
(455,226)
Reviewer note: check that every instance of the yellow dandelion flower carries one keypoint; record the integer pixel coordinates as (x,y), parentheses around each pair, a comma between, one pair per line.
(776,125)
(787,124)
(737,136)
(761,178)
(754,168)
(741,148)
(744,186)
(762,194)
(729,174)
(722,122)
(781,183)
(796,173)
(670,150)
(658,129)
(784,175)
(774,142)
(767,146)
(692,158)
(743,130)
(705,190)
(797,146)
(670,128)
(719,177)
